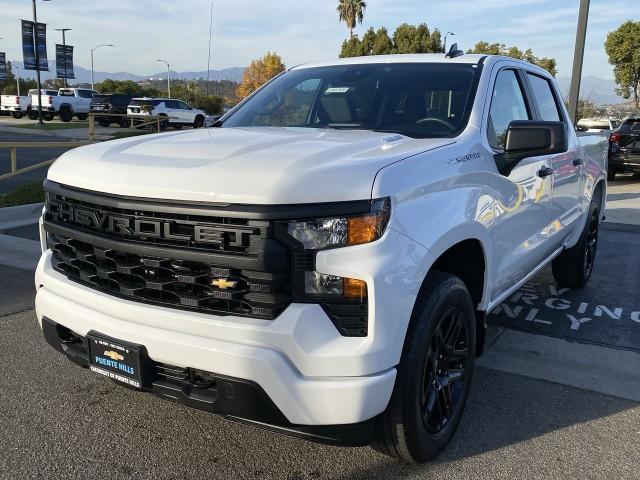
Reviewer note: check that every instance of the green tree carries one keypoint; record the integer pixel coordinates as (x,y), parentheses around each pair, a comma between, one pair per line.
(406,39)
(351,12)
(127,87)
(623,48)
(485,48)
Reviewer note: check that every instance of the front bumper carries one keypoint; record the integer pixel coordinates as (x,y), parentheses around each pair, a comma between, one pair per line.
(234,398)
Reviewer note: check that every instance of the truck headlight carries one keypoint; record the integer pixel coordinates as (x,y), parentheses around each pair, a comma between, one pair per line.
(334,232)
(318,234)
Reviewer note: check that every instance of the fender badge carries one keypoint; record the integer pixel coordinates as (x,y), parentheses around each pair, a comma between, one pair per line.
(113,355)
(224,283)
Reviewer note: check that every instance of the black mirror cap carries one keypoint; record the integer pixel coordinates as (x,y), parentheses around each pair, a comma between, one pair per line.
(531,138)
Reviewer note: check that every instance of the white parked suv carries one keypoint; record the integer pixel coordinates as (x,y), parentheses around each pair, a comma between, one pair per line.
(323,263)
(178,113)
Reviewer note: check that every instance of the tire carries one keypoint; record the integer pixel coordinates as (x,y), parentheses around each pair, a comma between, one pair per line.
(435,369)
(48,116)
(66,115)
(16,115)
(124,122)
(611,174)
(198,122)
(103,122)
(574,266)
(82,116)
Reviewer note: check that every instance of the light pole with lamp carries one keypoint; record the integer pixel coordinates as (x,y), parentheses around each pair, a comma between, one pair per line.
(92,50)
(17,78)
(209,59)
(64,52)
(168,77)
(37,55)
(444,48)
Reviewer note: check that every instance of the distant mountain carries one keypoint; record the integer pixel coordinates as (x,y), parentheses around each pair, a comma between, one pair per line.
(83,75)
(594,89)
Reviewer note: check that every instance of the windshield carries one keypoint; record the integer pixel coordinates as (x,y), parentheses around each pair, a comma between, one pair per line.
(417,100)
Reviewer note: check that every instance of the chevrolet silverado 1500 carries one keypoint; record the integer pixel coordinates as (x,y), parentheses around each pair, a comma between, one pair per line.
(323,262)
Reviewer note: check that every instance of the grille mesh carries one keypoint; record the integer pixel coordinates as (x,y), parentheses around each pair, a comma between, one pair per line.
(172,283)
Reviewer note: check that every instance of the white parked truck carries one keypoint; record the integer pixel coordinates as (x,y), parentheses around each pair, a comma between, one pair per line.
(322,264)
(68,103)
(21,105)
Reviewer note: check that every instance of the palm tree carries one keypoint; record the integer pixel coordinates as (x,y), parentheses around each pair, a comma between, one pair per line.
(351,12)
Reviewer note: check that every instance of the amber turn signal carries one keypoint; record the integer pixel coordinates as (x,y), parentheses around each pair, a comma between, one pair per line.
(355,288)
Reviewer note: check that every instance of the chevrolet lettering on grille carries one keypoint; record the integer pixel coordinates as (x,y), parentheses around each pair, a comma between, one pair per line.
(146,228)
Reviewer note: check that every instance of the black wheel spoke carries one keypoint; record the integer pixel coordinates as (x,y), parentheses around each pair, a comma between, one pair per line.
(444,370)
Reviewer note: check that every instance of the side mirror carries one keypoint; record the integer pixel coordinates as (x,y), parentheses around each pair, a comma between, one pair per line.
(531,138)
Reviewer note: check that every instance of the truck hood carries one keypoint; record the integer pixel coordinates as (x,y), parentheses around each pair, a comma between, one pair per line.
(259,165)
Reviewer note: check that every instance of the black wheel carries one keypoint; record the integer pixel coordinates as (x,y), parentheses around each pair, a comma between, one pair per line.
(104,122)
(574,266)
(434,374)
(611,174)
(48,116)
(125,122)
(16,115)
(198,122)
(32,115)
(66,115)
(82,116)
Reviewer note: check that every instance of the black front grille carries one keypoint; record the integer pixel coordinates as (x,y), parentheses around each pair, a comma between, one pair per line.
(173,283)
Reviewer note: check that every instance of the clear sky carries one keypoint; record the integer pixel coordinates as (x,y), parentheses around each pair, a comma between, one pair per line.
(299,30)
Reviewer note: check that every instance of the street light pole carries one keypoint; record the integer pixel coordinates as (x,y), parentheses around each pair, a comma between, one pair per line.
(17,79)
(168,77)
(37,55)
(444,48)
(578,59)
(92,50)
(64,52)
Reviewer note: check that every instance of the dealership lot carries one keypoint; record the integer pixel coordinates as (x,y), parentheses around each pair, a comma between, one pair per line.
(556,395)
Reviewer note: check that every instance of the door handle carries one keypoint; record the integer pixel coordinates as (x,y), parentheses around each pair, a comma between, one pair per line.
(545,172)
(577,162)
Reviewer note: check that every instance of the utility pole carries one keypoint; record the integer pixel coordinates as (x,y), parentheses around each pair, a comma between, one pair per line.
(578,59)
(209,59)
(17,78)
(64,52)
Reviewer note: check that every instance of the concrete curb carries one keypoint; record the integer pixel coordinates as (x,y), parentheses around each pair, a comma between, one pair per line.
(19,216)
(590,367)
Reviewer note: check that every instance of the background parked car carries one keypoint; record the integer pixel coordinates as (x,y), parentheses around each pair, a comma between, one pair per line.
(111,103)
(624,148)
(178,113)
(598,125)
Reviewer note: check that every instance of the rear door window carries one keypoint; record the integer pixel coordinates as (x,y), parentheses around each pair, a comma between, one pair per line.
(544,98)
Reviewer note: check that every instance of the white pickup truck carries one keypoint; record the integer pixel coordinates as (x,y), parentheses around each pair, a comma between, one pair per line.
(21,105)
(68,103)
(323,263)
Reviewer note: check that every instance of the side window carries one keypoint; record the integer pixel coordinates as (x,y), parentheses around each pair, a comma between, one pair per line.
(544,98)
(507,104)
(85,93)
(170,104)
(183,106)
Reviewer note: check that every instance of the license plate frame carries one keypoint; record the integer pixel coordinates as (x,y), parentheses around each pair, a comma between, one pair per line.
(116,359)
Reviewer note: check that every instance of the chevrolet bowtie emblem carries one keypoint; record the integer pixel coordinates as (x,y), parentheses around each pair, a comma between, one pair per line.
(224,283)
(113,355)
